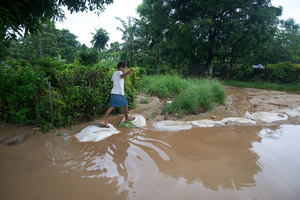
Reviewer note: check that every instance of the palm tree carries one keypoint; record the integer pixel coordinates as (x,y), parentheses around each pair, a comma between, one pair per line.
(100,39)
(129,31)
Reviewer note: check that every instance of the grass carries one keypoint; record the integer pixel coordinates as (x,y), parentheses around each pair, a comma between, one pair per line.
(145,101)
(264,85)
(162,86)
(189,96)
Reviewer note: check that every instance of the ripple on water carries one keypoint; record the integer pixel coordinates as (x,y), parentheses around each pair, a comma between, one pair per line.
(228,162)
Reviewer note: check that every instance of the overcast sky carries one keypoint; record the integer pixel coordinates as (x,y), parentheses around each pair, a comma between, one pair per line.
(82,24)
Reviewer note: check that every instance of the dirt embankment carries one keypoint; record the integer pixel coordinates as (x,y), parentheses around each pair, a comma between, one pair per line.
(238,102)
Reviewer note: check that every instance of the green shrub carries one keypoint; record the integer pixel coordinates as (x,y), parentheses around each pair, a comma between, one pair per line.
(283,72)
(243,73)
(190,96)
(88,57)
(23,94)
(78,92)
(163,86)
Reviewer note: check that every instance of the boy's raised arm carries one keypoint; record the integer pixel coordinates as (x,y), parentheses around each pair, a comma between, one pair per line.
(125,74)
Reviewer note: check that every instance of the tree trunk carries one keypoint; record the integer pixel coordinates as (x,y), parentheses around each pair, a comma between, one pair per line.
(40,42)
(157,55)
(209,59)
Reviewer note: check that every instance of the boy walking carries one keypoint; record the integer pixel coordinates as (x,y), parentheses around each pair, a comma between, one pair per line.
(117,96)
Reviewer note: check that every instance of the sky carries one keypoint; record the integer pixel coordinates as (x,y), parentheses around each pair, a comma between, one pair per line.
(83,24)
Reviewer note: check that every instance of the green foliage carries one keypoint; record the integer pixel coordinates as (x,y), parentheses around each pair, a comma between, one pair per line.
(78,92)
(130,45)
(145,101)
(190,96)
(23,93)
(100,39)
(88,57)
(202,31)
(283,72)
(244,73)
(4,48)
(163,86)
(127,124)
(54,43)
(131,86)
(29,16)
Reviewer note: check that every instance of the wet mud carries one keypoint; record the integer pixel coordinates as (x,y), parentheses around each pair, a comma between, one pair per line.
(233,162)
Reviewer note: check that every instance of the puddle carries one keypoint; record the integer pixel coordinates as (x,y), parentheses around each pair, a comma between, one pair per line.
(236,162)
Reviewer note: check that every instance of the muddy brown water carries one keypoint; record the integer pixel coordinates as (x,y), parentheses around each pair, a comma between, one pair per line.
(236,162)
(233,162)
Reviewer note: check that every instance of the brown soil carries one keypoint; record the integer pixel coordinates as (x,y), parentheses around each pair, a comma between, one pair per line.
(238,102)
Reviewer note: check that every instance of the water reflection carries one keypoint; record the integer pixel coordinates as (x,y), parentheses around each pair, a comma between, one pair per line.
(185,164)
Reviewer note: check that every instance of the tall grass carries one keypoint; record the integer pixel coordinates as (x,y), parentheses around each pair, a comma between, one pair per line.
(189,96)
(295,87)
(163,86)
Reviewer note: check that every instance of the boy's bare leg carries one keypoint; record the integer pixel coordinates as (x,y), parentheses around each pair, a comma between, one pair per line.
(127,118)
(126,112)
(107,114)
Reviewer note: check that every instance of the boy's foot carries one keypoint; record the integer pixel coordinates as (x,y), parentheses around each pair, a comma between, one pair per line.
(103,125)
(130,119)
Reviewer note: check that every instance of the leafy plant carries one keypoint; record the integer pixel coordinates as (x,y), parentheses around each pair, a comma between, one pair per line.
(190,96)
(78,92)
(127,124)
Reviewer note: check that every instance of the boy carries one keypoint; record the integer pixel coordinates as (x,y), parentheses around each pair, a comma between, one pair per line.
(117,96)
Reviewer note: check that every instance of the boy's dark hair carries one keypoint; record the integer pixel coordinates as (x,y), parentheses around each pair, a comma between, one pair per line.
(122,63)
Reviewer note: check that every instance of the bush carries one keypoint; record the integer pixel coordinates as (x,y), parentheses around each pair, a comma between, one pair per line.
(163,86)
(244,73)
(88,57)
(283,72)
(190,96)
(78,92)
(23,94)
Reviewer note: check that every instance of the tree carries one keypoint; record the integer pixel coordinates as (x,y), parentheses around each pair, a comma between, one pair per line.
(202,31)
(55,43)
(114,47)
(129,32)
(288,41)
(68,44)
(284,46)
(29,16)
(100,39)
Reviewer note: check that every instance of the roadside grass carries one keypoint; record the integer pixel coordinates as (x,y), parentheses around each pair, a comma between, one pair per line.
(163,86)
(189,96)
(145,101)
(295,87)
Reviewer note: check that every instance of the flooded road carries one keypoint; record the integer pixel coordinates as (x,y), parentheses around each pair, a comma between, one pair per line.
(234,162)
